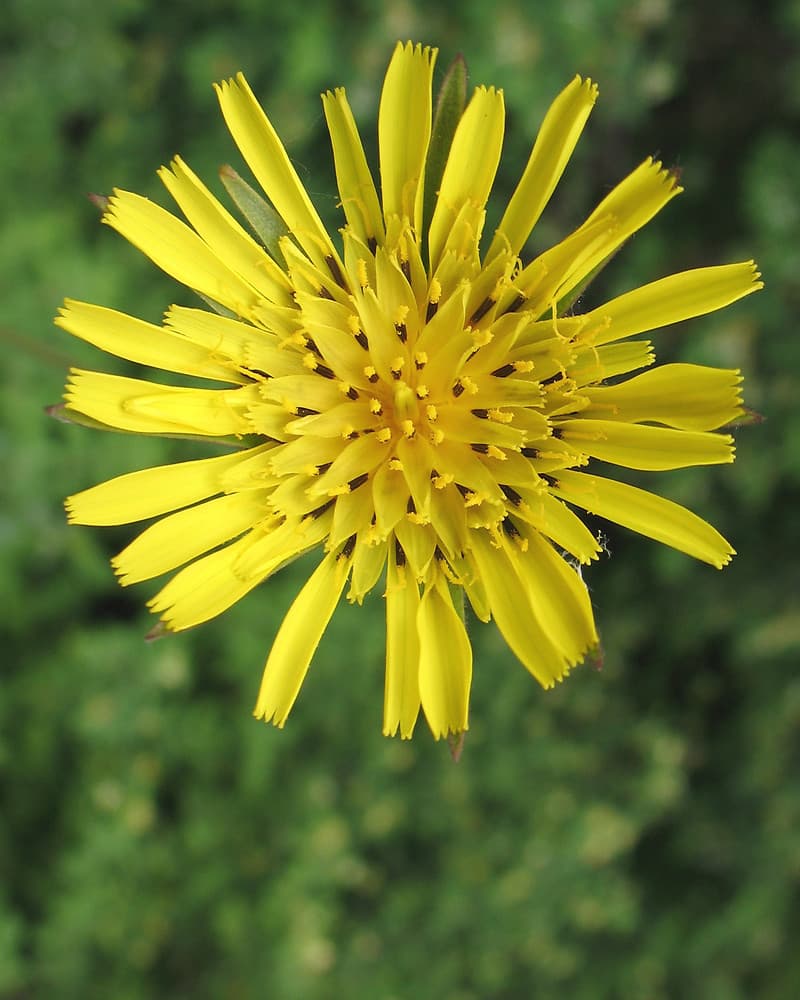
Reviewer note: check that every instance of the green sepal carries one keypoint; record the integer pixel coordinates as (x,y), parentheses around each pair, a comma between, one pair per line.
(450,103)
(219,309)
(748,418)
(568,301)
(264,220)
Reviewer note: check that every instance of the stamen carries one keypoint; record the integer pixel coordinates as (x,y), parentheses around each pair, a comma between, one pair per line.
(309,343)
(431,412)
(319,511)
(323,293)
(372,244)
(481,414)
(481,311)
(400,323)
(361,273)
(517,303)
(350,391)
(482,449)
(504,371)
(512,532)
(458,387)
(358,481)
(324,371)
(397,367)
(408,429)
(530,452)
(371,373)
(422,392)
(420,360)
(511,495)
(347,548)
(336,271)
(375,406)
(501,416)
(399,554)
(304,411)
(384,435)
(361,337)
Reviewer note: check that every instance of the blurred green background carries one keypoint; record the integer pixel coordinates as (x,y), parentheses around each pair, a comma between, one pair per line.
(633,833)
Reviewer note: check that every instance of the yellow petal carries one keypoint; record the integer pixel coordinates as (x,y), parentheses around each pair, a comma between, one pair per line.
(555,520)
(471,165)
(150,492)
(265,155)
(558,595)
(143,343)
(178,250)
(639,446)
(369,559)
(353,176)
(650,515)
(176,539)
(148,408)
(298,638)
(554,144)
(224,234)
(390,495)
(401,698)
(204,589)
(222,337)
(691,397)
(513,612)
(671,300)
(419,544)
(631,204)
(445,662)
(404,130)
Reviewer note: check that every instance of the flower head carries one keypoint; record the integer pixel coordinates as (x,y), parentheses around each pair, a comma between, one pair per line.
(412,403)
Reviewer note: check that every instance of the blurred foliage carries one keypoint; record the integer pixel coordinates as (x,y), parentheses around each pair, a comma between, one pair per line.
(632,833)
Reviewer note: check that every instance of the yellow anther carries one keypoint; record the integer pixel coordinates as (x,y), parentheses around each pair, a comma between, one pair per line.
(422,392)
(361,272)
(348,431)
(420,359)
(494,452)
(354,323)
(400,315)
(523,366)
(473,499)
(371,373)
(501,416)
(309,361)
(442,480)
(384,435)
(482,337)
(437,435)
(395,465)
(407,427)
(339,491)
(431,412)
(310,470)
(375,406)
(398,364)
(435,290)
(469,385)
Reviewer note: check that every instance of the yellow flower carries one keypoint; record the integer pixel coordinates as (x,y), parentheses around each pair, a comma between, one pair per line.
(414,408)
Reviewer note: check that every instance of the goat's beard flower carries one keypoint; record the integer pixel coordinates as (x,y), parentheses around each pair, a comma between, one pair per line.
(416,409)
